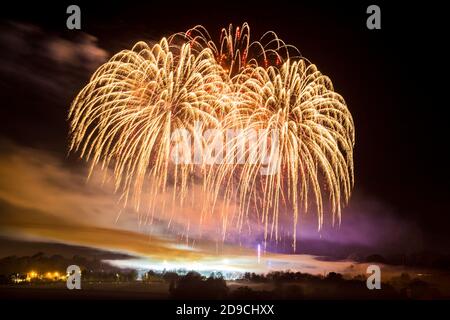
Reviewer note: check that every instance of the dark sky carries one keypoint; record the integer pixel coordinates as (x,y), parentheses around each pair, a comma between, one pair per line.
(392,79)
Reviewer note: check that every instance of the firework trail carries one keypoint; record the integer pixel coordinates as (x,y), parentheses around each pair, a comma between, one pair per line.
(124,117)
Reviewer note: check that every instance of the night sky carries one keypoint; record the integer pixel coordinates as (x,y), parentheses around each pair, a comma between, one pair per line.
(392,80)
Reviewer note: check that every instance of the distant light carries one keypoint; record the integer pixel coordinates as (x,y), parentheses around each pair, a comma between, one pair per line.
(259,253)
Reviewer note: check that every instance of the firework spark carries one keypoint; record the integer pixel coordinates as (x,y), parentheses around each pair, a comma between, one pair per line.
(236,51)
(123,119)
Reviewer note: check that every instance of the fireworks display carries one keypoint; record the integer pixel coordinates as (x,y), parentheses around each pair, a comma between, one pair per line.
(125,117)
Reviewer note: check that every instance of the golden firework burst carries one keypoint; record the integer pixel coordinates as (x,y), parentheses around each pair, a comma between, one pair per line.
(125,116)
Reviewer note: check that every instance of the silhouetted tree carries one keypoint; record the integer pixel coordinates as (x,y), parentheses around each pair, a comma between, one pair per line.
(195,286)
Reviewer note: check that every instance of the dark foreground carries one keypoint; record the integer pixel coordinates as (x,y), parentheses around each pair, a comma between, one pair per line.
(333,289)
